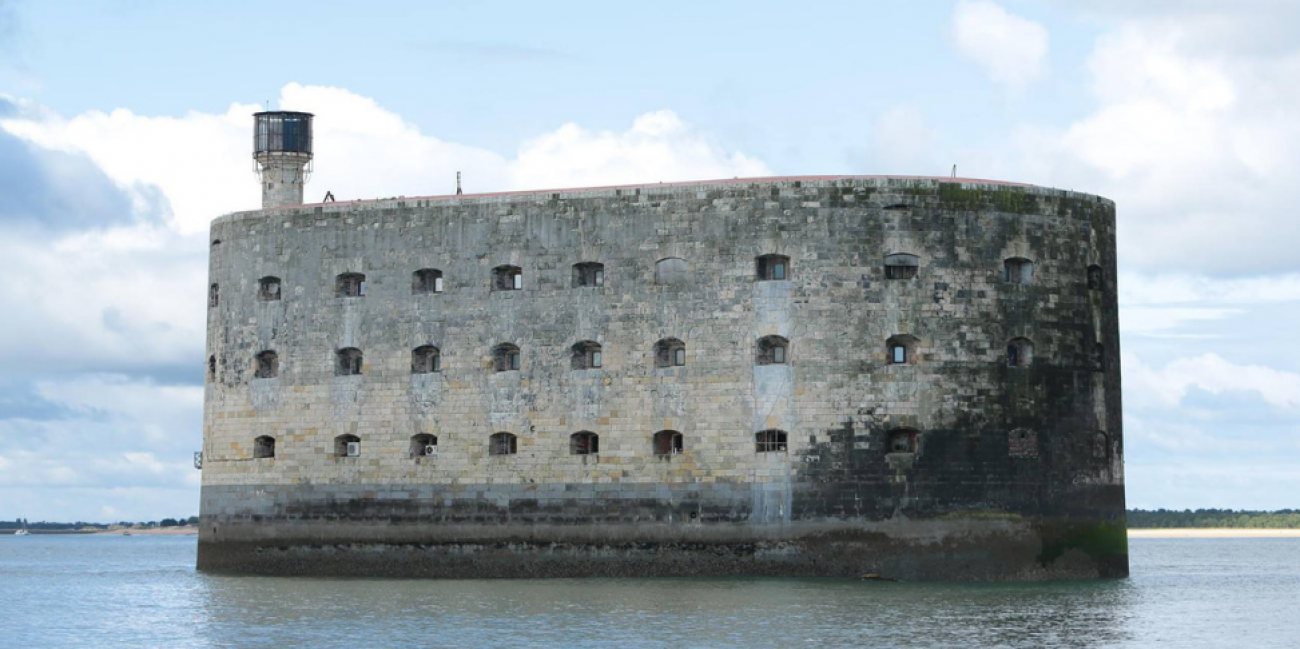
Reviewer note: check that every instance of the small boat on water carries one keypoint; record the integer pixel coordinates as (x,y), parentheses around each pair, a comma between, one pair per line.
(22,531)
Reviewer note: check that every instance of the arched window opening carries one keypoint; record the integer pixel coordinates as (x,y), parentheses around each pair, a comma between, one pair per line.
(213,295)
(769,441)
(350,285)
(902,440)
(772,350)
(347,446)
(1018,270)
(268,365)
(1097,357)
(588,274)
(1020,352)
(1101,446)
(503,444)
(424,445)
(668,442)
(1095,278)
(670,352)
(901,349)
(505,357)
(671,271)
(212,367)
(426,280)
(268,289)
(584,442)
(264,447)
(901,266)
(773,268)
(507,278)
(585,355)
(426,359)
(349,362)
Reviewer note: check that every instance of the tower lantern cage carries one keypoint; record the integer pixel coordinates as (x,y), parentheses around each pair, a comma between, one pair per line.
(282,137)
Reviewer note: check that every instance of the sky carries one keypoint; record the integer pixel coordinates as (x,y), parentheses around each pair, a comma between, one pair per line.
(125,129)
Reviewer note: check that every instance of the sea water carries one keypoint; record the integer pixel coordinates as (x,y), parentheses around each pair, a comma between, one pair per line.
(141,591)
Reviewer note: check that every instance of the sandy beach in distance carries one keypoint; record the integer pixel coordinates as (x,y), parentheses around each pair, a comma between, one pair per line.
(1213,533)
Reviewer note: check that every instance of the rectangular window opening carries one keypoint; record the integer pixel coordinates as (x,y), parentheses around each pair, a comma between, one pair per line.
(595,359)
(778,271)
(679,358)
(518,280)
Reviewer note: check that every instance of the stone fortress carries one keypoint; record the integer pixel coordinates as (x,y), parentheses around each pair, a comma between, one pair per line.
(830,375)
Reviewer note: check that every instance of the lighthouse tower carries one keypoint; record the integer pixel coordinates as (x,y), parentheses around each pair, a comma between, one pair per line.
(282,151)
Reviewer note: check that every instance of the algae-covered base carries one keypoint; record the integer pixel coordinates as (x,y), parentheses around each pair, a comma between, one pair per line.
(929,551)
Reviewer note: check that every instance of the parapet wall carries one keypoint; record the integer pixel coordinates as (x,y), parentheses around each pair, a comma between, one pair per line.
(1006,472)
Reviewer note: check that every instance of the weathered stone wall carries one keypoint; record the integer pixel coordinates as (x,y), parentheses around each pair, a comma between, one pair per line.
(1008,479)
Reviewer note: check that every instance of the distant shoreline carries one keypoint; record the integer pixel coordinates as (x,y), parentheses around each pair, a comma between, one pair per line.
(1213,533)
(180,530)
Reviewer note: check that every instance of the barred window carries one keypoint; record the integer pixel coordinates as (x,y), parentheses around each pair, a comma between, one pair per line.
(507,278)
(901,265)
(350,285)
(584,442)
(349,361)
(585,355)
(772,350)
(773,268)
(589,274)
(426,359)
(769,441)
(268,289)
(502,444)
(667,442)
(670,352)
(1018,270)
(426,280)
(264,447)
(505,357)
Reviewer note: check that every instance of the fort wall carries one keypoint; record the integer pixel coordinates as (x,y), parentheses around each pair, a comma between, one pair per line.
(953,464)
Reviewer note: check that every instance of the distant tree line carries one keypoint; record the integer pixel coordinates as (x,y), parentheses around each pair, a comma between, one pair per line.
(82,525)
(1147,518)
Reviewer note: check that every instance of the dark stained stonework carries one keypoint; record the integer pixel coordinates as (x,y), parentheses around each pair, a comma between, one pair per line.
(1003,480)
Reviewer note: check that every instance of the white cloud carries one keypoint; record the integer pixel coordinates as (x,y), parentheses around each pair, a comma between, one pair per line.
(1194,140)
(659,147)
(1173,288)
(203,162)
(1011,50)
(1148,387)
(129,298)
